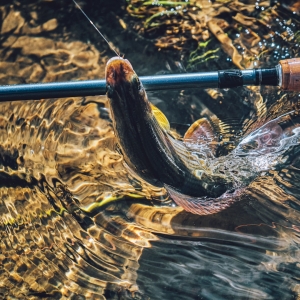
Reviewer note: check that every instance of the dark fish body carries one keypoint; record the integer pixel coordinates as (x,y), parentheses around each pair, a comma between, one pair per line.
(146,147)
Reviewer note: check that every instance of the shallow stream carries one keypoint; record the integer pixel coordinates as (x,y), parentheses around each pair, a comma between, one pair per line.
(75,224)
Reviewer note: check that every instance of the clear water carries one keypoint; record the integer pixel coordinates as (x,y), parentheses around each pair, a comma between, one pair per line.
(63,233)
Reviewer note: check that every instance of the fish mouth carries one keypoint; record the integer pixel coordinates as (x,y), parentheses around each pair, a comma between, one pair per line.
(119,71)
(124,88)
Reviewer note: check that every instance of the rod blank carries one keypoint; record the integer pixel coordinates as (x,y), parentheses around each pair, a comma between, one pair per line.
(286,75)
(222,79)
(98,87)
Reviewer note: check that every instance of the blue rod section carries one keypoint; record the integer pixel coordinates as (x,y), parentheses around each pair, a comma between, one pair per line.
(221,79)
(39,91)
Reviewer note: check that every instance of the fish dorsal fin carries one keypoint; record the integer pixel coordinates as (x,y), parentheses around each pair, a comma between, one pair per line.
(199,131)
(160,117)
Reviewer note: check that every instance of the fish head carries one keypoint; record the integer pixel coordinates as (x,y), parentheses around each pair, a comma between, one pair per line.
(120,78)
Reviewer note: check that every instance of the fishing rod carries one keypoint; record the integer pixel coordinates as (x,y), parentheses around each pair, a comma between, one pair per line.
(286,75)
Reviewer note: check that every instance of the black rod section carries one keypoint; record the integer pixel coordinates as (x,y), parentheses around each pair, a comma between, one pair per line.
(216,79)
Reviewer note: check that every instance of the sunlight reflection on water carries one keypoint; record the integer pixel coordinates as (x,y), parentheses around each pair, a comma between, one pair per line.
(58,162)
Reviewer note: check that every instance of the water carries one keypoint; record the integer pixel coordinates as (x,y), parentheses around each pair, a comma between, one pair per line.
(59,164)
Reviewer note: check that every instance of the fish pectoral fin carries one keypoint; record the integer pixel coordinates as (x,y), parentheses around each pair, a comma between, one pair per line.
(160,117)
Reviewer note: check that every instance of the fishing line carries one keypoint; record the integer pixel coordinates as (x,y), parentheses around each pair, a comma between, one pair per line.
(96,28)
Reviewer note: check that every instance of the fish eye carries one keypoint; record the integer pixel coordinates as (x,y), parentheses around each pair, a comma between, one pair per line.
(109,90)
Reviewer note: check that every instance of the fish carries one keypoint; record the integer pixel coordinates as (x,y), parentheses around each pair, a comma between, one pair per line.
(152,153)
(149,150)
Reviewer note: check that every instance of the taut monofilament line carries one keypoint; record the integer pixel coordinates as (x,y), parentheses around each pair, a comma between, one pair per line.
(96,28)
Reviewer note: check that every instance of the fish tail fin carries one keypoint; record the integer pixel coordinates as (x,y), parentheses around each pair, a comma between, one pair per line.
(204,205)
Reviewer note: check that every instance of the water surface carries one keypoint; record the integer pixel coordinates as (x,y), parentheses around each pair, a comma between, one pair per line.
(59,164)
